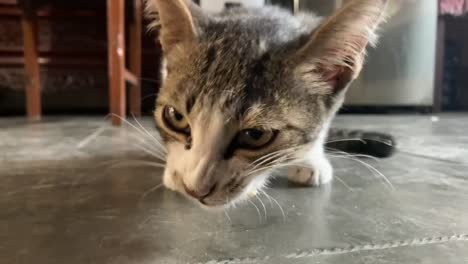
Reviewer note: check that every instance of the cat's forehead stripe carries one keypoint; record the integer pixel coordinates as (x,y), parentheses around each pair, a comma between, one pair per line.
(209,59)
(256,72)
(190,103)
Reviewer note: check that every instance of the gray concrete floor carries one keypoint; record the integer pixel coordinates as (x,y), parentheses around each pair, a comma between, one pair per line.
(67,196)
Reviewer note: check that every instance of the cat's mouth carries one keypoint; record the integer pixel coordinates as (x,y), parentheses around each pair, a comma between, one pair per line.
(211,202)
(218,198)
(218,203)
(219,195)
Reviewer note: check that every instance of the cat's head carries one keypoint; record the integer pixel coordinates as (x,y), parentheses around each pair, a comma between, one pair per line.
(239,98)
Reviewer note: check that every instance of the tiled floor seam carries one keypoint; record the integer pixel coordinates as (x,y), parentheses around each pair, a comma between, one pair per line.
(350,249)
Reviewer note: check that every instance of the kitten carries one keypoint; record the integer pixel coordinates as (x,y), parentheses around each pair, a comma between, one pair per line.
(252,90)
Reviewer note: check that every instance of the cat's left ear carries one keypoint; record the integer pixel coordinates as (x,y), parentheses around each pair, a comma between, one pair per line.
(335,52)
(175,20)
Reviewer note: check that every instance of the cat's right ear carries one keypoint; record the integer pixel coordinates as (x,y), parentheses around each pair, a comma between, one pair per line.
(175,21)
(334,54)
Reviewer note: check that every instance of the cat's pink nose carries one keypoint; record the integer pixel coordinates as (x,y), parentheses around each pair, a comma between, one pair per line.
(200,193)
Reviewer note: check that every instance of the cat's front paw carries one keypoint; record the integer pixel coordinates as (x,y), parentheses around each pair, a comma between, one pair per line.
(319,174)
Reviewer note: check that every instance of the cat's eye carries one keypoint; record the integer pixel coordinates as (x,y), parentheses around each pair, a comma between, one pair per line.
(175,120)
(255,138)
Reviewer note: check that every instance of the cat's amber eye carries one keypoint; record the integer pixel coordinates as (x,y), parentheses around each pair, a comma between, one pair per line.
(255,138)
(175,120)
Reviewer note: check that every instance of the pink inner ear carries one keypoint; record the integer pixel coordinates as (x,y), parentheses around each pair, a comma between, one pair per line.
(338,77)
(332,76)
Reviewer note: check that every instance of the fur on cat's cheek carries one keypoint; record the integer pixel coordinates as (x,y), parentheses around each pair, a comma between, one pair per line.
(163,69)
(252,194)
(251,190)
(169,181)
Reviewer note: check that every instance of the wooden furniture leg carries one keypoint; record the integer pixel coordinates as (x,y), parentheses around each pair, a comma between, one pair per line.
(116,60)
(31,63)
(135,30)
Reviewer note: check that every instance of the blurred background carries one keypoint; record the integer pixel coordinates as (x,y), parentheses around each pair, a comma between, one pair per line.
(74,189)
(419,66)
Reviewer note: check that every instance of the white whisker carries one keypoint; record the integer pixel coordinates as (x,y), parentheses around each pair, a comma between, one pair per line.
(370,167)
(149,134)
(270,159)
(281,208)
(150,152)
(152,189)
(256,208)
(134,127)
(347,139)
(335,151)
(281,151)
(273,155)
(153,150)
(127,122)
(363,140)
(124,163)
(344,183)
(267,196)
(263,205)
(279,160)
(90,138)
(227,216)
(276,164)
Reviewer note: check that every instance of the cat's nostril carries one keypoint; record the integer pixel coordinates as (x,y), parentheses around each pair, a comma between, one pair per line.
(188,143)
(199,194)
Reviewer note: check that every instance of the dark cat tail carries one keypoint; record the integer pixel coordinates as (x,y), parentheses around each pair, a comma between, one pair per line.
(376,144)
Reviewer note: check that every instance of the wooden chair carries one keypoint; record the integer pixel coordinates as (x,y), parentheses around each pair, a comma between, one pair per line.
(117,70)
(118,73)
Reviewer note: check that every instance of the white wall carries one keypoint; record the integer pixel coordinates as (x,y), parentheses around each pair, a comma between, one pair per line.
(400,71)
(218,5)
